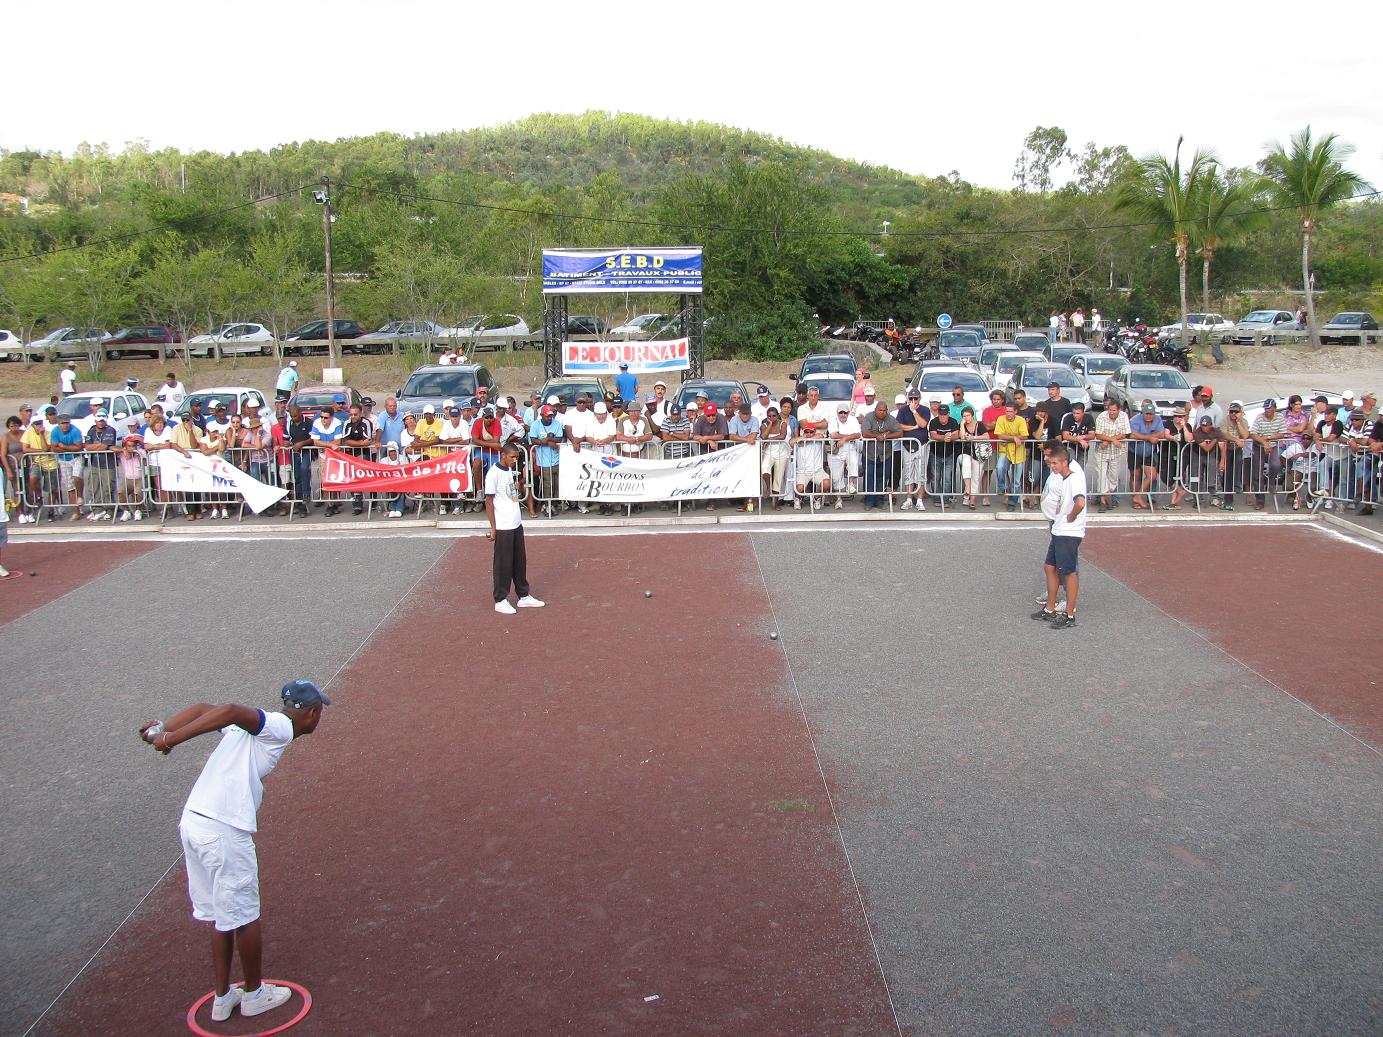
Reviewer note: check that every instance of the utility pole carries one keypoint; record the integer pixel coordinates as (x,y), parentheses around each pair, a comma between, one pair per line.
(331,284)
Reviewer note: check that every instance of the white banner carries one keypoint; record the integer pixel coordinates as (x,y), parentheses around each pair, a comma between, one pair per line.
(593,358)
(198,473)
(610,479)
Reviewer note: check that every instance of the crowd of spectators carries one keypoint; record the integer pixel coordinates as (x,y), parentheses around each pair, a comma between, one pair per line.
(916,452)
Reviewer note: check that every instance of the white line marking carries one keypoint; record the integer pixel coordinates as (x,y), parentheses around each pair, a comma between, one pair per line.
(826,788)
(406,596)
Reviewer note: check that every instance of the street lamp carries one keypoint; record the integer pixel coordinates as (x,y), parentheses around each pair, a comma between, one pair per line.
(323,198)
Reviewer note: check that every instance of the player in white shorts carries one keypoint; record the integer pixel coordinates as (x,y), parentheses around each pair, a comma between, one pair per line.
(218,826)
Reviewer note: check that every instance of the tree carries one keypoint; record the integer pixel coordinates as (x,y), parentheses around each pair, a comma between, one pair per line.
(1043,150)
(1310,178)
(31,292)
(276,280)
(1225,212)
(178,289)
(98,291)
(1161,194)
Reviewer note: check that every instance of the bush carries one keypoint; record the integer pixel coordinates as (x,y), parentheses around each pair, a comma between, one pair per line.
(784,332)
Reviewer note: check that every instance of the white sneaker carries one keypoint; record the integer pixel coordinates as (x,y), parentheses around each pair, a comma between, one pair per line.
(396,514)
(840,504)
(907,504)
(530,602)
(850,487)
(583,509)
(268,997)
(441,509)
(796,504)
(125,515)
(222,1007)
(1330,505)
(23,519)
(921,504)
(138,515)
(225,513)
(505,607)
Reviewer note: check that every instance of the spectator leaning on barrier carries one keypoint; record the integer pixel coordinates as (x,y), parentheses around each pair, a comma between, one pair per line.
(1111,429)
(808,459)
(187,440)
(675,433)
(577,421)
(1238,454)
(1077,431)
(1146,431)
(1209,459)
(1268,431)
(743,427)
(912,420)
(357,436)
(326,430)
(1172,457)
(546,434)
(813,412)
(298,436)
(1011,434)
(944,433)
(1033,469)
(1362,487)
(879,429)
(773,453)
(69,470)
(42,468)
(844,458)
(99,475)
(974,451)
(1332,476)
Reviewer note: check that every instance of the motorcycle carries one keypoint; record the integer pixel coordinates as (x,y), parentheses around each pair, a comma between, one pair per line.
(1170,351)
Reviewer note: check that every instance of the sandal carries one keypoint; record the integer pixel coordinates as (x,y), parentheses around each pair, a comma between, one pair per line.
(1171,507)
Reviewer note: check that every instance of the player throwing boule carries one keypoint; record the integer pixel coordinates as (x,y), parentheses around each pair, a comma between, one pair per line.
(218,825)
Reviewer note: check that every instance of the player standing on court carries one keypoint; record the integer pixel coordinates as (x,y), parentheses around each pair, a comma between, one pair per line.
(218,826)
(1068,529)
(502,496)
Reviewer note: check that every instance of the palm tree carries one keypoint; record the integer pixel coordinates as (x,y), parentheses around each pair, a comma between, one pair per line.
(1310,177)
(1225,212)
(1161,194)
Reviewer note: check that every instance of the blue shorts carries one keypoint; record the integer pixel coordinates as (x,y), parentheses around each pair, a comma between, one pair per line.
(1062,553)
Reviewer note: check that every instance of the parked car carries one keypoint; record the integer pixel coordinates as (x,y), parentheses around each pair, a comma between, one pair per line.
(493,329)
(1007,362)
(963,346)
(1133,383)
(1261,322)
(313,398)
(121,406)
(316,331)
(404,332)
(10,346)
(640,327)
(1345,329)
(234,339)
(1097,369)
(568,389)
(66,343)
(144,339)
(587,329)
(1198,325)
(717,390)
(437,383)
(1062,352)
(1031,341)
(237,399)
(978,329)
(836,363)
(984,361)
(835,388)
(936,383)
(1034,377)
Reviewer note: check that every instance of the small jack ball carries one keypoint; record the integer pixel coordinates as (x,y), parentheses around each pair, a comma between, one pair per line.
(773,635)
(648,594)
(32,573)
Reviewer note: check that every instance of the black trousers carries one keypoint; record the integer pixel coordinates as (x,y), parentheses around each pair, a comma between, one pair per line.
(511,563)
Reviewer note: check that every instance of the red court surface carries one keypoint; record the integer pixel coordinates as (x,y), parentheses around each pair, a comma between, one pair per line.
(1277,598)
(59,568)
(470,844)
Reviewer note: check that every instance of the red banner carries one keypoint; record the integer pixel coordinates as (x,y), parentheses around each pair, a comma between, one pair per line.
(450,473)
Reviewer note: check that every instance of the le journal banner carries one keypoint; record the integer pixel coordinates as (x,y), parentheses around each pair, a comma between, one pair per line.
(579,271)
(595,358)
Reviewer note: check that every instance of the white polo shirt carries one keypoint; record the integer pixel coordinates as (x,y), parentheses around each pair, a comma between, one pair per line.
(231,784)
(1072,486)
(499,485)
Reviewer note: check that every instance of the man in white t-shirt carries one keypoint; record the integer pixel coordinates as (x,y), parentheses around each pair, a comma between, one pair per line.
(814,412)
(218,825)
(844,459)
(1068,529)
(67,379)
(171,393)
(763,400)
(503,493)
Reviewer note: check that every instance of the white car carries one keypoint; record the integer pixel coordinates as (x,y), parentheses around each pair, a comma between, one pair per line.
(238,339)
(936,383)
(10,346)
(1198,324)
(122,407)
(1008,361)
(237,398)
(640,327)
(496,326)
(67,343)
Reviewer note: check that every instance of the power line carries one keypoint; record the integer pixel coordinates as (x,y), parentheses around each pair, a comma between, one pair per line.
(718,228)
(130,235)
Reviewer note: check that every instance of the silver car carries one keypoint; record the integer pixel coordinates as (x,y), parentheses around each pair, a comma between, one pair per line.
(1133,383)
(1261,323)
(1097,369)
(1034,377)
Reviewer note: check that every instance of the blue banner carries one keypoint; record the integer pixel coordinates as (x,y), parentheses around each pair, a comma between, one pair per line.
(571,271)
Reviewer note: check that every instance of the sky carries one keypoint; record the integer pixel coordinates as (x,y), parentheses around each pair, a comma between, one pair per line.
(920,88)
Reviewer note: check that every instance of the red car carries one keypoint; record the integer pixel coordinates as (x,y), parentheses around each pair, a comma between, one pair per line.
(144,339)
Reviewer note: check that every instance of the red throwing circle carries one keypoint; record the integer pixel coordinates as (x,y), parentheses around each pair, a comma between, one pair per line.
(302,1012)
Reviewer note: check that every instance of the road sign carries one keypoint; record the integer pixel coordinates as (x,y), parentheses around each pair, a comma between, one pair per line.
(944,321)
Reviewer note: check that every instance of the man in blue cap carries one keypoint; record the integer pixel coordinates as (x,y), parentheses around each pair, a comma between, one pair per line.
(218,826)
(626,384)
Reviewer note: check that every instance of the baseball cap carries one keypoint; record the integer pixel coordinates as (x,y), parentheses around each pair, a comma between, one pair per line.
(448,404)
(1347,393)
(26,406)
(1269,403)
(339,398)
(1320,399)
(303,693)
(843,408)
(650,398)
(600,408)
(762,391)
(366,401)
(710,410)
(900,398)
(1206,419)
(131,439)
(914,394)
(546,410)
(869,390)
(663,384)
(701,394)
(36,421)
(1149,407)
(1207,391)
(429,409)
(624,367)
(502,403)
(50,409)
(292,363)
(1053,385)
(675,408)
(552,401)
(692,405)
(1356,413)
(101,413)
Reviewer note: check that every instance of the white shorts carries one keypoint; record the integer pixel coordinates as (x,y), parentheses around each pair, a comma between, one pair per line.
(810,476)
(222,872)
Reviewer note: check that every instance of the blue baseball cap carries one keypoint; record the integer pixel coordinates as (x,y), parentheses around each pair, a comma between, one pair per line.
(340,399)
(302,693)
(1269,403)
